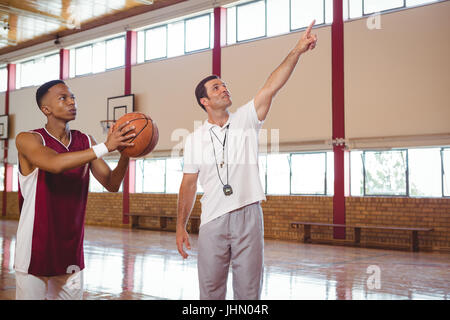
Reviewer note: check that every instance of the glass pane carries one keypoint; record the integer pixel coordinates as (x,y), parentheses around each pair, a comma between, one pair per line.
(278,173)
(83,60)
(2,177)
(231,25)
(47,69)
(3,79)
(303,12)
(15,178)
(262,162)
(277,17)
(356,173)
(176,39)
(251,20)
(94,185)
(156,43)
(355,8)
(154,172)
(308,173)
(115,53)
(446,163)
(112,165)
(328,11)
(39,71)
(198,33)
(140,46)
(72,63)
(27,74)
(410,3)
(139,187)
(425,172)
(330,173)
(385,172)
(98,57)
(371,6)
(174,174)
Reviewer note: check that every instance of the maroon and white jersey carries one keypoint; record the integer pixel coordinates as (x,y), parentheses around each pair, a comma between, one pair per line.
(52,209)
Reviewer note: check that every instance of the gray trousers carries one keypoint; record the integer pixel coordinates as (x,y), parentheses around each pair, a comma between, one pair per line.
(236,237)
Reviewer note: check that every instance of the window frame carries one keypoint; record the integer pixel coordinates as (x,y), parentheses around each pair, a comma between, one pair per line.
(325,186)
(208,14)
(265,20)
(406,195)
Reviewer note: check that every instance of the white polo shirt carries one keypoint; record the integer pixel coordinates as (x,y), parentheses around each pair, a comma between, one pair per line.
(239,154)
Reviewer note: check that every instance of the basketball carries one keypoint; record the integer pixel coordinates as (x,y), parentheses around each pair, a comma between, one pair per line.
(146,134)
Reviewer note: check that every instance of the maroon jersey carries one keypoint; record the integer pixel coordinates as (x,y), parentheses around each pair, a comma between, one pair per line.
(52,210)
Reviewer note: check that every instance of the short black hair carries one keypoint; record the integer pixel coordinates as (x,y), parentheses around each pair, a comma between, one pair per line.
(42,90)
(200,90)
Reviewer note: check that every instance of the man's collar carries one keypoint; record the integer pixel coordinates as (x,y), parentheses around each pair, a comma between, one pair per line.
(208,125)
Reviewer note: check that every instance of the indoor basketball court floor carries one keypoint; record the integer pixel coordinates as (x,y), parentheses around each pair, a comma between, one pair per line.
(140,264)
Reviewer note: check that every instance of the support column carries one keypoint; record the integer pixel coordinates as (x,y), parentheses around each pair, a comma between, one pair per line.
(341,163)
(129,180)
(220,20)
(8,168)
(64,64)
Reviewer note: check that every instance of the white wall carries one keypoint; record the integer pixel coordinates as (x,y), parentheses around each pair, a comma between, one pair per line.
(302,109)
(92,93)
(165,91)
(397,78)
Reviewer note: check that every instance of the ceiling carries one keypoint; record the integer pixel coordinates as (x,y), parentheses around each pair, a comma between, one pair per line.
(28,22)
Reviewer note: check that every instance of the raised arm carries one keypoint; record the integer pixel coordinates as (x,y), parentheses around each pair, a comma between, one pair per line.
(186,199)
(110,179)
(279,77)
(32,153)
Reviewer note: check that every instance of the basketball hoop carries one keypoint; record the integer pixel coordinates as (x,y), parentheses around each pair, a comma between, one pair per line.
(106,124)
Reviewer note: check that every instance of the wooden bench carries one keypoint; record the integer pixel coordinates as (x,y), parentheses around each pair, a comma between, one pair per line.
(163,221)
(414,246)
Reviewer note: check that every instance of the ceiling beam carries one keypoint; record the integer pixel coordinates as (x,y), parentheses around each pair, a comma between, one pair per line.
(147,2)
(31,14)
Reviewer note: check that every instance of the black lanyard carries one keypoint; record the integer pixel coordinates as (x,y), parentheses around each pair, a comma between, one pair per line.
(227,190)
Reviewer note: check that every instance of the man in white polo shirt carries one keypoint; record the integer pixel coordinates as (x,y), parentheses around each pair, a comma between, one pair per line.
(223,155)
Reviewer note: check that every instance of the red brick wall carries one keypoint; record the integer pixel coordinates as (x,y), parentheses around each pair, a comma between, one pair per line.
(105,209)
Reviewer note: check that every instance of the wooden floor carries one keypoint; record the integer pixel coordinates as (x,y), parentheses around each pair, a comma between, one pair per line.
(140,264)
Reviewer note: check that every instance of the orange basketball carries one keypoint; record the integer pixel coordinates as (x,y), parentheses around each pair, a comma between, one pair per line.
(146,134)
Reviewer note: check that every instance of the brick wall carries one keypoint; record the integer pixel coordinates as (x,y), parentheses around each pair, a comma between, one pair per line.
(105,209)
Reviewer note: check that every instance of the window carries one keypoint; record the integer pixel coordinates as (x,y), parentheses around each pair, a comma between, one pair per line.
(385,172)
(277,17)
(198,33)
(251,20)
(425,172)
(356,173)
(97,57)
(303,12)
(95,186)
(156,43)
(278,174)
(262,163)
(115,53)
(37,71)
(446,171)
(175,39)
(83,60)
(410,3)
(174,174)
(308,173)
(150,175)
(372,6)
(231,25)
(3,79)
